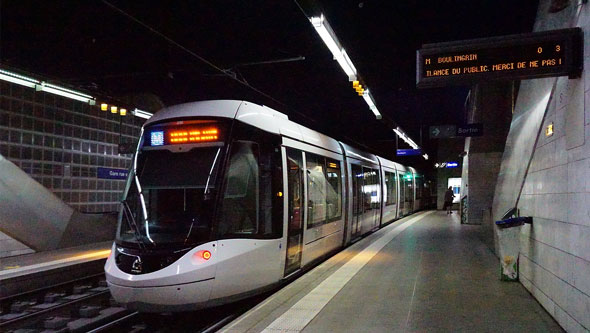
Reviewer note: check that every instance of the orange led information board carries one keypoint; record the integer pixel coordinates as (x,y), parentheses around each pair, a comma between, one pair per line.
(193,135)
(183,135)
(514,57)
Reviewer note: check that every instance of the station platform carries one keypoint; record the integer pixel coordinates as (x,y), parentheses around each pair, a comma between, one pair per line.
(425,272)
(29,271)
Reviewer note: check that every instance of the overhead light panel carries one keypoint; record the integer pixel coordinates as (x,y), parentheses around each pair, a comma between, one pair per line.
(114,109)
(61,91)
(141,114)
(425,156)
(322,27)
(123,112)
(404,137)
(104,106)
(371,103)
(346,64)
(18,79)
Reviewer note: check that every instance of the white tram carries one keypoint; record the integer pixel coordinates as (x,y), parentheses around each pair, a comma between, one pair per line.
(226,199)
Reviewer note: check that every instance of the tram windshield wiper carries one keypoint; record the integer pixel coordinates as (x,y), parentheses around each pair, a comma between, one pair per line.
(132,224)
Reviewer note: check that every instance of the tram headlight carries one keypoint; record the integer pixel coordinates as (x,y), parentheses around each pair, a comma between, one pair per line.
(200,257)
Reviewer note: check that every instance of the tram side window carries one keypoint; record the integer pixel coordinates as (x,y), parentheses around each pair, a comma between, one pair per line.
(402,189)
(371,188)
(391,190)
(419,186)
(316,190)
(357,180)
(239,209)
(409,191)
(324,190)
(334,190)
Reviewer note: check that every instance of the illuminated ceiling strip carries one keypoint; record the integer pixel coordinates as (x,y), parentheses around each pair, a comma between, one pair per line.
(329,38)
(323,29)
(142,114)
(66,93)
(371,103)
(18,79)
(44,86)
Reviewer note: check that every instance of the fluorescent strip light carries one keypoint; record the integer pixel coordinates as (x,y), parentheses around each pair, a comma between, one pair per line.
(425,156)
(142,114)
(322,27)
(66,90)
(346,64)
(371,103)
(326,33)
(18,79)
(369,99)
(376,113)
(405,138)
(57,90)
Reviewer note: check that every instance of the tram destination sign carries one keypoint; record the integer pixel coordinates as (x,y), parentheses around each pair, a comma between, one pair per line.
(513,57)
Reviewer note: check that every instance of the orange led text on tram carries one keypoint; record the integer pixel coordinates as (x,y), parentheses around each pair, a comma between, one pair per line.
(193,135)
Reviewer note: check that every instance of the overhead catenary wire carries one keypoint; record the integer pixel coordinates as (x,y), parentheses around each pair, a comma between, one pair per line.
(200,58)
(185,49)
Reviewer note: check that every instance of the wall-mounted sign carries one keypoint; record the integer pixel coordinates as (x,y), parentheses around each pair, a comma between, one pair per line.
(110,173)
(443,131)
(446,165)
(409,152)
(549,130)
(470,130)
(513,57)
(451,131)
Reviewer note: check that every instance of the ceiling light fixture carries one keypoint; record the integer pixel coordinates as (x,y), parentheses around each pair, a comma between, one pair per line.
(371,103)
(142,114)
(322,27)
(18,79)
(61,91)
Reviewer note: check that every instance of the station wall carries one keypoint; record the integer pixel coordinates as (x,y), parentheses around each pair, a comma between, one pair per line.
(554,260)
(61,143)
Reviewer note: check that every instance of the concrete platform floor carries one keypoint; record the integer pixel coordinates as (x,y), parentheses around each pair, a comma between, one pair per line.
(436,275)
(24,264)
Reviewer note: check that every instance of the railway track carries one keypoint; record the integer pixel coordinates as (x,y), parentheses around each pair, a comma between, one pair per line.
(71,306)
(85,305)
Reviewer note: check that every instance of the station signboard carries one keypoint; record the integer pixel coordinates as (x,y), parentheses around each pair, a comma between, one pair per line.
(111,173)
(443,131)
(409,152)
(470,130)
(513,57)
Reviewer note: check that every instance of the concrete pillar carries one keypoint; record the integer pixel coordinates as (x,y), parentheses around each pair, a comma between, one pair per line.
(491,105)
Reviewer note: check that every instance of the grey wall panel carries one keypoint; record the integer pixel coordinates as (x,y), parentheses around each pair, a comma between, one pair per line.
(574,120)
(29,212)
(553,252)
(530,107)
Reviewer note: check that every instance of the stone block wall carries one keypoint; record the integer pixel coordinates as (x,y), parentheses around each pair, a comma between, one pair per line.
(61,142)
(554,258)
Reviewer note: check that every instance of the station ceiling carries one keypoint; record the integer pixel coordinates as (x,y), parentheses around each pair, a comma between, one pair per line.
(249,49)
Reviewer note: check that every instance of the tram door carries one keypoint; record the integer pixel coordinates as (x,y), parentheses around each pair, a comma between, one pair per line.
(295,198)
(357,200)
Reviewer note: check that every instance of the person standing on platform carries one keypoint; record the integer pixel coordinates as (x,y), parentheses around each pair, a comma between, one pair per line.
(449,195)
